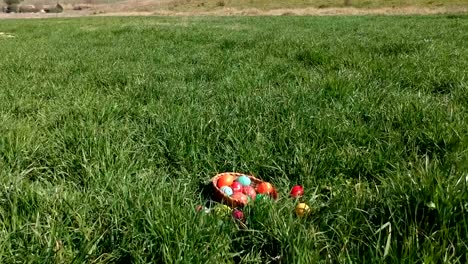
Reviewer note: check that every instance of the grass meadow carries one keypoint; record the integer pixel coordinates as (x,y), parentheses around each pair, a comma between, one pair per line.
(110,129)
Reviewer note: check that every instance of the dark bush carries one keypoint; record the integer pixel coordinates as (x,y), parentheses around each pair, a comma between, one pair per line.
(12,2)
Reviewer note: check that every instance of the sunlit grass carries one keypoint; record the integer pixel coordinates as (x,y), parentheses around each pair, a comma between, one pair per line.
(110,127)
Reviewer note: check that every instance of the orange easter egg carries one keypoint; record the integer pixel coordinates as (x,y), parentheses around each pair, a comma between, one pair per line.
(265,188)
(225,180)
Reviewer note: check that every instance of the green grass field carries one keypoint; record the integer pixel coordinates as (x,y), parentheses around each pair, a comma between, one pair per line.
(111,127)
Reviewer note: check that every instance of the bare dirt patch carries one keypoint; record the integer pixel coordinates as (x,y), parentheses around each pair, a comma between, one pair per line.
(127,10)
(66,13)
(318,11)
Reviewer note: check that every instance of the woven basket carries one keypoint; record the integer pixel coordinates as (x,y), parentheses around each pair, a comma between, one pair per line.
(221,197)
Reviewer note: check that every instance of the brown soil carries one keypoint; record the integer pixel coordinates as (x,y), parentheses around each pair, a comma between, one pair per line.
(122,10)
(66,13)
(320,11)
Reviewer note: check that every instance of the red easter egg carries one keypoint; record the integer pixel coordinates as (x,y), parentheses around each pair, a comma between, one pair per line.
(249,191)
(236,187)
(238,214)
(265,188)
(297,191)
(225,180)
(240,197)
